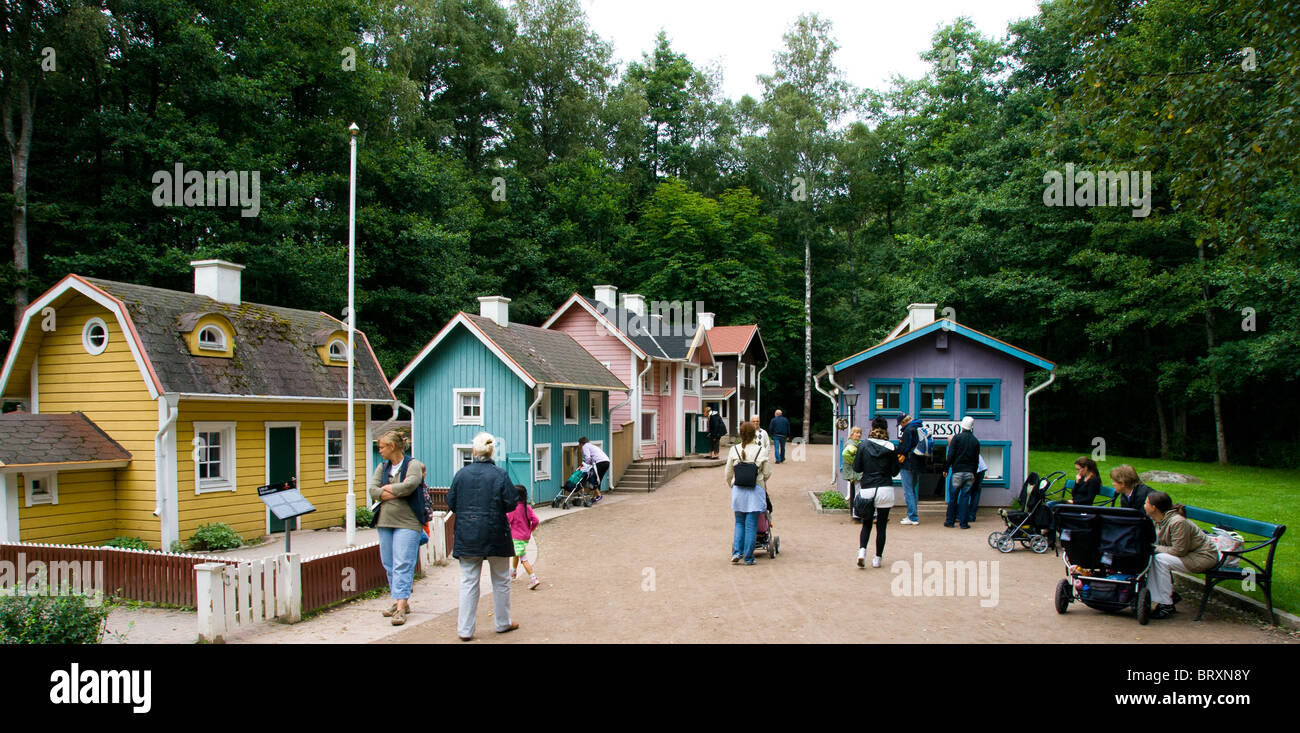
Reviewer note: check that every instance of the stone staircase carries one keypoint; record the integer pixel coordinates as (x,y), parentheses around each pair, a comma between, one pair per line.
(637,475)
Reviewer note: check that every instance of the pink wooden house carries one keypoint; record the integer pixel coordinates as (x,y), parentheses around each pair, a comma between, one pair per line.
(660,353)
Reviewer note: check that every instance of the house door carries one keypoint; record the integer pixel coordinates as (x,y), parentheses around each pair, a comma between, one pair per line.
(281,463)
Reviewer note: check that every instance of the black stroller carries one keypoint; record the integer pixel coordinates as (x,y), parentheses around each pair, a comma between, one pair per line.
(1032,526)
(1108,554)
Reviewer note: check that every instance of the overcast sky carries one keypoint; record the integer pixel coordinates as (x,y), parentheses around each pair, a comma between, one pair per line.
(877,38)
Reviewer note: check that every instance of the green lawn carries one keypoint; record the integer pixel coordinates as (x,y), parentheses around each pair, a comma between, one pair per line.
(1268,494)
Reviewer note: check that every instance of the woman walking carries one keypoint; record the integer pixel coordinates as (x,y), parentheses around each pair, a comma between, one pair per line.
(878,461)
(400,532)
(481,496)
(748,469)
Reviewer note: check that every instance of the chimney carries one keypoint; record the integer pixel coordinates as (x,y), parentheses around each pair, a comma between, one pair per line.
(217,279)
(607,295)
(920,315)
(495,307)
(634,303)
(706,321)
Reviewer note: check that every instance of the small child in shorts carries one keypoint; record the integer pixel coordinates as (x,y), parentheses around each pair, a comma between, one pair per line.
(522,523)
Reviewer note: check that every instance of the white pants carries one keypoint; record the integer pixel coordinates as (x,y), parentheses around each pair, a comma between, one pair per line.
(471,568)
(1161,577)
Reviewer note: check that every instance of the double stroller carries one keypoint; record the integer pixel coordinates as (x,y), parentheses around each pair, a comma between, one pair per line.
(1108,554)
(579,490)
(1032,525)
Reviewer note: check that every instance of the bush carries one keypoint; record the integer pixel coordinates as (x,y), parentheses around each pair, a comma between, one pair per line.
(364,517)
(832,499)
(127,543)
(215,536)
(51,620)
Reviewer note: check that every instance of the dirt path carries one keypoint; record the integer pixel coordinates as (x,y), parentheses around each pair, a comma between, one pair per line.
(655,568)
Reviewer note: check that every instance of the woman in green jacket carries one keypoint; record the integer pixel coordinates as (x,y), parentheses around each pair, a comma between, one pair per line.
(1180,545)
(846,461)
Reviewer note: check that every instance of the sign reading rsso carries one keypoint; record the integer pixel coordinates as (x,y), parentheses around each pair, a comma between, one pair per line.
(941,429)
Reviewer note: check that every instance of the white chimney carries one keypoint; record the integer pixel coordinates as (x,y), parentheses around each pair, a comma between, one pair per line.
(706,321)
(217,279)
(920,315)
(607,295)
(635,303)
(495,307)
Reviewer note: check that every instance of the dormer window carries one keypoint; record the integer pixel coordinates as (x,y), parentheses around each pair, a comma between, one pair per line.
(338,350)
(212,338)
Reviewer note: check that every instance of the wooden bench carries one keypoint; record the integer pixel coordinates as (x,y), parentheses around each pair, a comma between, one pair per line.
(1263,575)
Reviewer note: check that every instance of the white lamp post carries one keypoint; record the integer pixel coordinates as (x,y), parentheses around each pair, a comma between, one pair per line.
(350,444)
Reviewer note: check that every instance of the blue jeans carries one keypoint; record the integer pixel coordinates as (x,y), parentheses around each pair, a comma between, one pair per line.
(779,441)
(398,551)
(909,492)
(746,534)
(959,501)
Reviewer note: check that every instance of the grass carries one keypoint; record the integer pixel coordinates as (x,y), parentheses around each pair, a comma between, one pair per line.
(1266,494)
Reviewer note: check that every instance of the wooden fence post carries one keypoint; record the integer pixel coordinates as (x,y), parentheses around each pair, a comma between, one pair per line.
(438,538)
(288,591)
(211,601)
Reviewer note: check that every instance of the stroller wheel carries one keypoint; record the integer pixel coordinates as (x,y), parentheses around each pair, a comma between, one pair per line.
(555,503)
(994,539)
(564,504)
(1064,593)
(776,546)
(1144,606)
(586,502)
(1038,544)
(1006,545)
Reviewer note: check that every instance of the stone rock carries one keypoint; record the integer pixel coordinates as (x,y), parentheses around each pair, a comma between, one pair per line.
(1169,477)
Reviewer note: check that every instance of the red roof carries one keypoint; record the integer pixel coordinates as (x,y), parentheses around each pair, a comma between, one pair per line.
(731,339)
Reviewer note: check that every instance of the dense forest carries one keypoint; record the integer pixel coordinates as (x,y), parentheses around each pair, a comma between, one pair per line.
(503,150)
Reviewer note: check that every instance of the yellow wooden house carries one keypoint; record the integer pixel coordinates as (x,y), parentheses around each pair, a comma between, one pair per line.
(174,408)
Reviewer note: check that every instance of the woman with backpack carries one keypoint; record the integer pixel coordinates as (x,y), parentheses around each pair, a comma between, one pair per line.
(395,479)
(879,462)
(748,469)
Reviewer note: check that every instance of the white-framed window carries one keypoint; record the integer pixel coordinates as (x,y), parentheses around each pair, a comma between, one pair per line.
(753,375)
(461,456)
(94,336)
(753,408)
(542,414)
(570,407)
(649,426)
(467,406)
(688,378)
(740,407)
(594,408)
(42,488)
(212,338)
(667,380)
(214,457)
(336,468)
(338,350)
(648,381)
(541,462)
(740,374)
(712,376)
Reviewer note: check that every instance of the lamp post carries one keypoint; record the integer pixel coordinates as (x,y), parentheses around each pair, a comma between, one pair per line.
(851,401)
(350,444)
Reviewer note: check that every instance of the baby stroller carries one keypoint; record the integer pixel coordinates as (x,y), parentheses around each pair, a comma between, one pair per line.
(1107,553)
(766,539)
(578,490)
(1032,526)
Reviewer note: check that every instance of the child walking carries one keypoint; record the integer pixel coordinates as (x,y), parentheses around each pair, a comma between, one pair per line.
(522,523)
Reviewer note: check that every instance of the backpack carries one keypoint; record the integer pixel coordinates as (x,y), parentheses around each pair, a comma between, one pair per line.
(420,500)
(924,444)
(745,472)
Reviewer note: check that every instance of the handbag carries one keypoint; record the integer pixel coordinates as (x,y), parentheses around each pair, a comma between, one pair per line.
(864,503)
(1225,540)
(745,474)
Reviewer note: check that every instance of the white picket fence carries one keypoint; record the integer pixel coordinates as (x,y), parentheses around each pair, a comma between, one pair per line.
(232,597)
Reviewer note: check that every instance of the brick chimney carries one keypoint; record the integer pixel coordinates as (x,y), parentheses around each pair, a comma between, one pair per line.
(607,295)
(495,307)
(218,280)
(635,303)
(920,315)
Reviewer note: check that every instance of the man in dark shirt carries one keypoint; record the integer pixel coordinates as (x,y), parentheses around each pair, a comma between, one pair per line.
(779,429)
(963,458)
(1132,492)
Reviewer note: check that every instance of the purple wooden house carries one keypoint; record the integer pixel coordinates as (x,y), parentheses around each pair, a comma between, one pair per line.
(939,372)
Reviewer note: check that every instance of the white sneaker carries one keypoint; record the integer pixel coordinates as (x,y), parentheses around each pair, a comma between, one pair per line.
(862,555)
(875,561)
(905,520)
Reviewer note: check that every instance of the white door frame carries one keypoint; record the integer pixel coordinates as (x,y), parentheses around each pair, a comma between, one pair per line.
(266,462)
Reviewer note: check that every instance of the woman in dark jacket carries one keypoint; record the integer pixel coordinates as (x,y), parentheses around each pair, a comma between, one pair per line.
(481,496)
(878,461)
(1087,484)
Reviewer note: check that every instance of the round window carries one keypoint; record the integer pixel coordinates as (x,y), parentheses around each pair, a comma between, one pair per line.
(94,336)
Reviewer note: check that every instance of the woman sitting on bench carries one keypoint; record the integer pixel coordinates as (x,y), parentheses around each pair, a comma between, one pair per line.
(1180,545)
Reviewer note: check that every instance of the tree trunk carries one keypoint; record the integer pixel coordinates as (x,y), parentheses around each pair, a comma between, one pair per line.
(1220,438)
(807,337)
(20,148)
(1164,427)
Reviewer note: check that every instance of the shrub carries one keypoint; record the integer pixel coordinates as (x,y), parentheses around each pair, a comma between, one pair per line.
(51,620)
(127,543)
(364,517)
(215,536)
(832,499)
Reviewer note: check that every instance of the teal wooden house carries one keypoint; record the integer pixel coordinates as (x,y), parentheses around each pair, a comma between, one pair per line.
(535,390)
